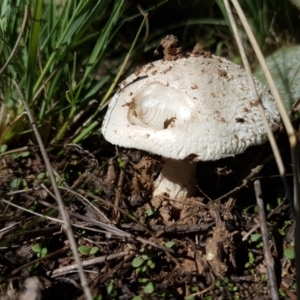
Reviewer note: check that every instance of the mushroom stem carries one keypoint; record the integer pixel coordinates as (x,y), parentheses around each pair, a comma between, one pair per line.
(177,180)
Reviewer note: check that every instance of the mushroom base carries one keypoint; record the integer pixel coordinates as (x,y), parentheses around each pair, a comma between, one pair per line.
(176,180)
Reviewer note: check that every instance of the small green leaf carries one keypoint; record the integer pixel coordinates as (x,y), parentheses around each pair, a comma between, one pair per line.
(251,257)
(3,148)
(41,175)
(24,183)
(32,267)
(255,237)
(32,207)
(145,256)
(169,244)
(37,248)
(121,163)
(139,297)
(262,278)
(110,288)
(44,252)
(150,212)
(137,262)
(25,154)
(190,297)
(15,183)
(143,269)
(259,245)
(94,250)
(281,292)
(195,289)
(232,287)
(151,264)
(289,253)
(225,279)
(149,288)
(279,200)
(84,250)
(288,222)
(135,214)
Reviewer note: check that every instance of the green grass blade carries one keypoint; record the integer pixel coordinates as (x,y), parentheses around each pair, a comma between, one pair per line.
(33,50)
(93,59)
(86,131)
(102,42)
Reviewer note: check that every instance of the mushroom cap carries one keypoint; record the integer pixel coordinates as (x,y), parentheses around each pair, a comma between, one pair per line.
(195,108)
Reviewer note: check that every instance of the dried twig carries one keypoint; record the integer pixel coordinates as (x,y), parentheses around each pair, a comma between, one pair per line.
(89,205)
(177,228)
(266,247)
(245,182)
(50,255)
(119,191)
(89,262)
(22,149)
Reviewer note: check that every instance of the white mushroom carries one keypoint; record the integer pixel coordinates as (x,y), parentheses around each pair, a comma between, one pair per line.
(191,109)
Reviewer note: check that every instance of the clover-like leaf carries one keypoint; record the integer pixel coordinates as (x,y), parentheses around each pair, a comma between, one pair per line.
(84,249)
(149,288)
(137,262)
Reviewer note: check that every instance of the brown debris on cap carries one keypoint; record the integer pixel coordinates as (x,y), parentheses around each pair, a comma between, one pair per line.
(199,51)
(172,51)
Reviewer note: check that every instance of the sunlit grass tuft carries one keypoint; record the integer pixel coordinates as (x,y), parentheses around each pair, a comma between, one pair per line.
(61,47)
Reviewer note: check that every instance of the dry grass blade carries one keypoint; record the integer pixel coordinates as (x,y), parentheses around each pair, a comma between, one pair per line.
(87,203)
(119,190)
(107,95)
(253,89)
(264,232)
(65,217)
(31,212)
(22,149)
(17,270)
(90,262)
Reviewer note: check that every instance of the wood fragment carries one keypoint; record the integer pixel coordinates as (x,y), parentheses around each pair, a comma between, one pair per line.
(265,239)
(171,229)
(88,262)
(119,190)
